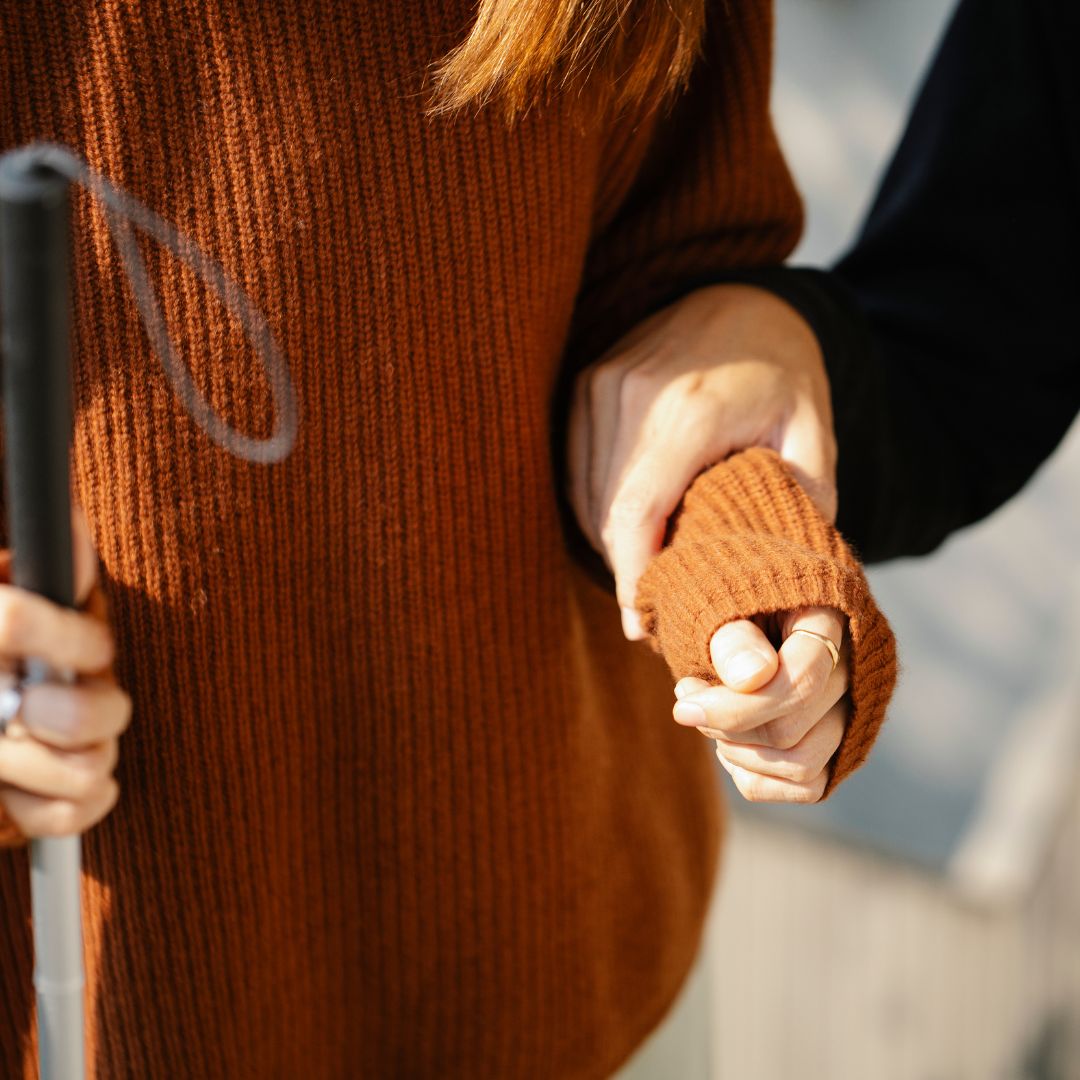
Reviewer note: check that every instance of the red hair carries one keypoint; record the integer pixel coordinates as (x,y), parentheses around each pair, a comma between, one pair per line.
(518,52)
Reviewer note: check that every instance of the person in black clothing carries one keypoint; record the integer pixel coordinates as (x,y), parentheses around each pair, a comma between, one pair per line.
(946,337)
(943,345)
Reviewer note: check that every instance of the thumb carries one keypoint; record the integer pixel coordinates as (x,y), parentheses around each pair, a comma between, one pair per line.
(743,656)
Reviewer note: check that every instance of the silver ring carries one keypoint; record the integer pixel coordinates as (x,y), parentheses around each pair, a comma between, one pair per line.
(11,701)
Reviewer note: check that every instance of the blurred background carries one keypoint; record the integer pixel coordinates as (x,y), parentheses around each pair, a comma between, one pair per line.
(924,923)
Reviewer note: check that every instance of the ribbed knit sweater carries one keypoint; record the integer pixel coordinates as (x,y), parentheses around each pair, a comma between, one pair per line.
(398,799)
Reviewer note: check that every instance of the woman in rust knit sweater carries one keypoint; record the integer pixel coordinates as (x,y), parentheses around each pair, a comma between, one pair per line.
(399,797)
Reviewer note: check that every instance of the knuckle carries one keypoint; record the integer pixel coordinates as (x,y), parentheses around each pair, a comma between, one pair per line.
(108,803)
(59,818)
(82,781)
(809,791)
(638,388)
(88,771)
(808,682)
(749,788)
(695,385)
(63,817)
(802,771)
(125,711)
(784,733)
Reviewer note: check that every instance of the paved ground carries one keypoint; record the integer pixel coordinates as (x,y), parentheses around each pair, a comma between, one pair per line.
(831,964)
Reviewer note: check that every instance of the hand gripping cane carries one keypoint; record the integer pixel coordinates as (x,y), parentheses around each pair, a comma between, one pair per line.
(34,319)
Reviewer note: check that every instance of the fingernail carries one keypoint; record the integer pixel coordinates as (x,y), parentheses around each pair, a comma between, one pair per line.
(743,666)
(631,624)
(689,714)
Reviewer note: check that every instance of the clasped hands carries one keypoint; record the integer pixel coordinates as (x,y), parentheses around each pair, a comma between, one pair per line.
(725,368)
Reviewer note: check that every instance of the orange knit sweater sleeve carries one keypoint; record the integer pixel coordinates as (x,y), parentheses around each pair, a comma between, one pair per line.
(746,540)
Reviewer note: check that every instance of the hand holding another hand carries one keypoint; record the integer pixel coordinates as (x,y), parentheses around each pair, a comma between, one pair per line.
(777,716)
(726,368)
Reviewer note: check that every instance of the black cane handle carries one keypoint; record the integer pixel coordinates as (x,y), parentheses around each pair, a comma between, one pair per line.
(35,327)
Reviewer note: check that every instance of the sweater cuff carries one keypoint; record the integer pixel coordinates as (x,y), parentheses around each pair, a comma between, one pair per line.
(748,541)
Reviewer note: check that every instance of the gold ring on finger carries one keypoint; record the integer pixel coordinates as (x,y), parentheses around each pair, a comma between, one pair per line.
(834,652)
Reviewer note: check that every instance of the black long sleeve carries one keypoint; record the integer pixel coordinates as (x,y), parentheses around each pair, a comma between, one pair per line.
(952,330)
